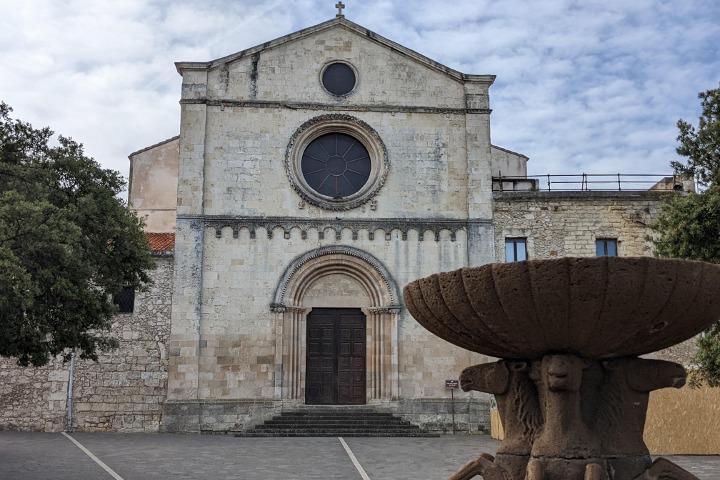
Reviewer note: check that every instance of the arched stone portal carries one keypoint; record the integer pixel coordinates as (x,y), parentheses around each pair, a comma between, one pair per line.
(336,276)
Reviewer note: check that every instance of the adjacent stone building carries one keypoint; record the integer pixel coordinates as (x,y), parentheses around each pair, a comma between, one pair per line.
(313,177)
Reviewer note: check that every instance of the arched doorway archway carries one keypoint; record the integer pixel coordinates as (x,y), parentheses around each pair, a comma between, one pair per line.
(336,276)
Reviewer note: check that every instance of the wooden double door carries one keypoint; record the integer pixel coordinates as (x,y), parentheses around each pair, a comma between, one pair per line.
(335,372)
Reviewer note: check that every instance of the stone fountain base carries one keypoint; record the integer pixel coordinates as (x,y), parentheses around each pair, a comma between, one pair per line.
(571,388)
(571,418)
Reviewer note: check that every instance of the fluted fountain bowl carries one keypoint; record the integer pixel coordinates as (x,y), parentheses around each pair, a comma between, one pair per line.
(599,307)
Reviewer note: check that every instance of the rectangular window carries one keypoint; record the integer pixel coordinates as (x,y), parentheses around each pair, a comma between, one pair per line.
(606,247)
(125,300)
(515,249)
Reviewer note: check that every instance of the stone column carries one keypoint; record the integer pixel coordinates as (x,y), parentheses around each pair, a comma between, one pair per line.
(290,353)
(382,357)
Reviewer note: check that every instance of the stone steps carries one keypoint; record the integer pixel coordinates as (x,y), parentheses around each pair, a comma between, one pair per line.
(321,421)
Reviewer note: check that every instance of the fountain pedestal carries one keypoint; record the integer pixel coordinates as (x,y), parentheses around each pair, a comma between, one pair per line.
(571,389)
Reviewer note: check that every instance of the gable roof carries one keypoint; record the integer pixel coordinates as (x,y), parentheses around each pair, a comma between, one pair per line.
(172,139)
(339,22)
(510,152)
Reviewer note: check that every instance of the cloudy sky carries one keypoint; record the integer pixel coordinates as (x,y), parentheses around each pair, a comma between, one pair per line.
(582,85)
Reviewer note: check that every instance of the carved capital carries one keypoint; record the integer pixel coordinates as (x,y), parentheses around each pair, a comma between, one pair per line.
(277,308)
(392,309)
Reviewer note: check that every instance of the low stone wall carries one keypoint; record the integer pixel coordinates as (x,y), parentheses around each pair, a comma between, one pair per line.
(218,416)
(123,391)
(471,415)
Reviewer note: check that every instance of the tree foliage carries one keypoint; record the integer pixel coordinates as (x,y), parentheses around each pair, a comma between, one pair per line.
(67,244)
(701,146)
(689,226)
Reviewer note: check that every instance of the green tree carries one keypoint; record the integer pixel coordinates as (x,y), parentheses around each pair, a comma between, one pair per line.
(701,146)
(689,226)
(67,244)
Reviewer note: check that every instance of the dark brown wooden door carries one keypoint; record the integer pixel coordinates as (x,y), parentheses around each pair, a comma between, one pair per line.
(335,372)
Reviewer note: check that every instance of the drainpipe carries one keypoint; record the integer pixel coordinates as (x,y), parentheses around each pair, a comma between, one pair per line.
(69,427)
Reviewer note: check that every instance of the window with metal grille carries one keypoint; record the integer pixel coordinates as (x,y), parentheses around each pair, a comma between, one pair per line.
(606,247)
(515,249)
(125,300)
(336,165)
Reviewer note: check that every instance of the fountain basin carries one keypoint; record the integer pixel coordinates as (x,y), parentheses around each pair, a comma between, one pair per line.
(596,307)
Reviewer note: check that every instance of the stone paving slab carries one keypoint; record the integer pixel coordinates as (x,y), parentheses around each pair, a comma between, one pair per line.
(40,456)
(30,455)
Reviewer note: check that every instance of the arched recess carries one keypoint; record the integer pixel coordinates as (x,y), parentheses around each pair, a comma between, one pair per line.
(379,301)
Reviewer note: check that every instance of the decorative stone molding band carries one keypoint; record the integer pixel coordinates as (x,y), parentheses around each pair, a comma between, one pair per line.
(280,308)
(386,225)
(333,108)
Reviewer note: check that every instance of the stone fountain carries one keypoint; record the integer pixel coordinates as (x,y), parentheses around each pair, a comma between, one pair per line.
(571,388)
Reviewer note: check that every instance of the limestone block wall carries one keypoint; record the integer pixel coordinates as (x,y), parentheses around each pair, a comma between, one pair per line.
(238,337)
(123,391)
(240,113)
(238,329)
(246,154)
(566,224)
(291,72)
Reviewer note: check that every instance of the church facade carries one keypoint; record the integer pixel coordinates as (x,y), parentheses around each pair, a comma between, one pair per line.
(313,177)
(318,174)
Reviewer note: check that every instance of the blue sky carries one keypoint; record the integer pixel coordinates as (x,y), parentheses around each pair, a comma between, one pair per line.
(582,86)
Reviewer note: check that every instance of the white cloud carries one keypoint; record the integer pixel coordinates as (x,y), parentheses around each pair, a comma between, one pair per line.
(593,86)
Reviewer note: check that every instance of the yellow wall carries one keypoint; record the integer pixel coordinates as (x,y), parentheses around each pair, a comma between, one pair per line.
(496,428)
(684,421)
(680,422)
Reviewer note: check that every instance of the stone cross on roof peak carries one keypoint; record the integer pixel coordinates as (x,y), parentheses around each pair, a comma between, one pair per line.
(340,7)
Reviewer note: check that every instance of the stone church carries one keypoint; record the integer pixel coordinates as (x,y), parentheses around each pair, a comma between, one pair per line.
(313,177)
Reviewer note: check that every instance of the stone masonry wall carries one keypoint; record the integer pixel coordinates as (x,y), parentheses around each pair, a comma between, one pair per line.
(32,398)
(566,224)
(123,391)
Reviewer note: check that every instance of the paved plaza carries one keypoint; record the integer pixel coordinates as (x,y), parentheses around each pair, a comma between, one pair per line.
(96,456)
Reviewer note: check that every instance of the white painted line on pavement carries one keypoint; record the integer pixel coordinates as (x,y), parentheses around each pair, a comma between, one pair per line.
(95,459)
(354,460)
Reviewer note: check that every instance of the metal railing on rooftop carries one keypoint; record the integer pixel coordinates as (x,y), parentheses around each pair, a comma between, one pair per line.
(587,182)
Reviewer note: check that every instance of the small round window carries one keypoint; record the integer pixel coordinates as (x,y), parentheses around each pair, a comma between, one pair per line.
(336,165)
(338,78)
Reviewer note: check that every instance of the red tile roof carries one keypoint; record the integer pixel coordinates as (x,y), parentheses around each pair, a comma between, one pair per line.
(161,241)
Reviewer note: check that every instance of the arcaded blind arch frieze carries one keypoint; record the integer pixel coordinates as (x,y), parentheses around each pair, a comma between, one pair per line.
(382,318)
(429,229)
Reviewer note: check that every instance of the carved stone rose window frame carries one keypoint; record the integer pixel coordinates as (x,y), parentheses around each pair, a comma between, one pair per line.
(337,123)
